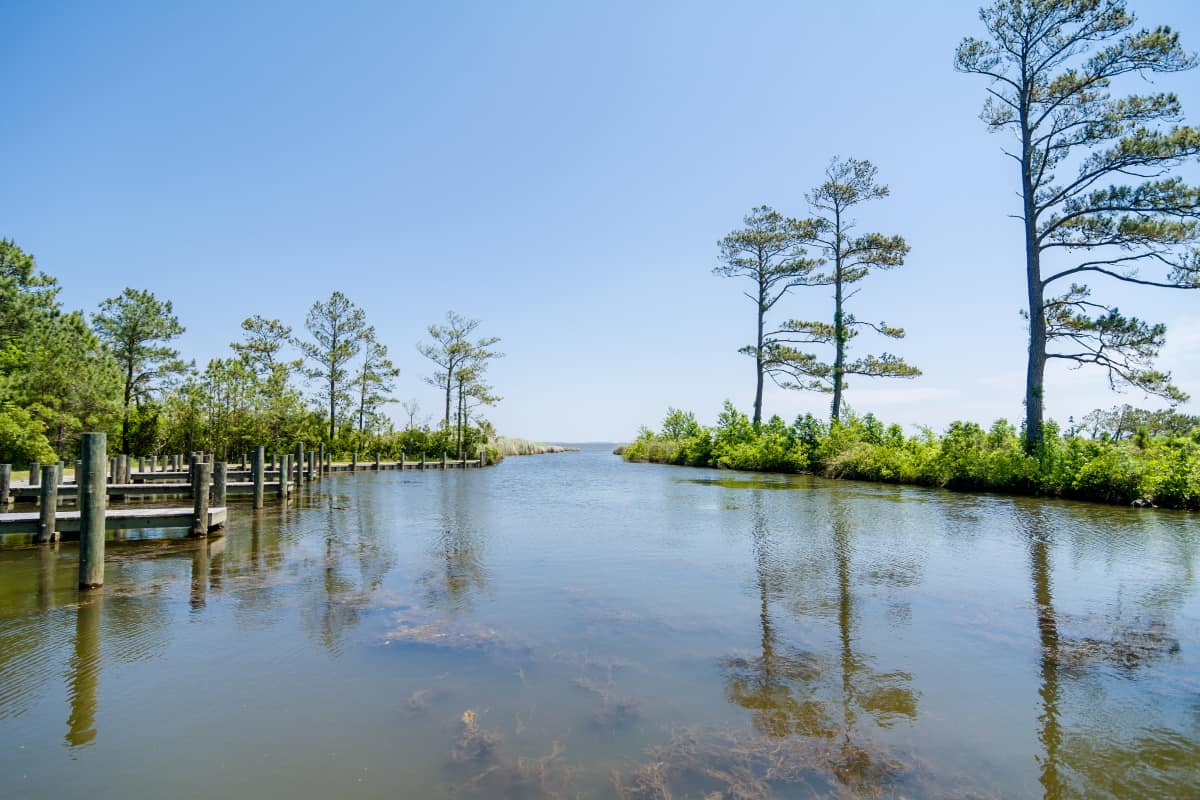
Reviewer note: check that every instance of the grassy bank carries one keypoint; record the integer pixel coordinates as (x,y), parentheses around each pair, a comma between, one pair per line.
(1159,470)
(511,446)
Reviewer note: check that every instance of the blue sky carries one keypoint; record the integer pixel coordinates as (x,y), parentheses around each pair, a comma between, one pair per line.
(561,171)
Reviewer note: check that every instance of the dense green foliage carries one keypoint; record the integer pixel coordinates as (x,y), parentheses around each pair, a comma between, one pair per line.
(1163,470)
(60,376)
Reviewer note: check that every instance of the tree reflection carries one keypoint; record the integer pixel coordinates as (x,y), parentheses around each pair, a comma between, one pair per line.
(790,691)
(458,571)
(339,601)
(1098,759)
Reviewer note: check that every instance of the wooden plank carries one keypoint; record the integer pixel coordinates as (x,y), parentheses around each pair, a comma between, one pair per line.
(27,493)
(19,528)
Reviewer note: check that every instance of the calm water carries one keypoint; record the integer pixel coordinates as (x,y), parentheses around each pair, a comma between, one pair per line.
(570,625)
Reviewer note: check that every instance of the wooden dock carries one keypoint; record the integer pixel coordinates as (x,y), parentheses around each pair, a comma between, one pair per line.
(22,492)
(19,528)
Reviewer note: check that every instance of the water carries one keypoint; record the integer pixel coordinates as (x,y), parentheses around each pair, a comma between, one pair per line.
(572,626)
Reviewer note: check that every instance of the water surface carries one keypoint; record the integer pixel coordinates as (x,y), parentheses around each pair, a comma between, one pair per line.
(572,626)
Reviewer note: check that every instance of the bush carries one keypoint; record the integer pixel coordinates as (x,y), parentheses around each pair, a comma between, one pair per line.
(23,438)
(1163,470)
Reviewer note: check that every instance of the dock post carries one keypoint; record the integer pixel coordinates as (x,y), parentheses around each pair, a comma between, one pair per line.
(243,460)
(256,474)
(299,463)
(201,475)
(402,461)
(49,510)
(220,476)
(141,463)
(443,459)
(281,490)
(35,473)
(321,455)
(78,471)
(93,497)
(354,461)
(154,463)
(377,461)
(5,484)
(422,461)
(60,473)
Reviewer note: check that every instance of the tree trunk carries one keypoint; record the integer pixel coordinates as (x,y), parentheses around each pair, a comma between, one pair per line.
(839,323)
(839,344)
(332,408)
(758,355)
(128,398)
(1036,369)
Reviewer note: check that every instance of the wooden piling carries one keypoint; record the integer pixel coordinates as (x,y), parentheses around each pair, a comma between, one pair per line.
(5,484)
(49,510)
(141,463)
(299,463)
(377,461)
(354,461)
(401,460)
(281,491)
(35,473)
(59,473)
(443,459)
(93,496)
(257,468)
(201,476)
(220,477)
(422,461)
(78,471)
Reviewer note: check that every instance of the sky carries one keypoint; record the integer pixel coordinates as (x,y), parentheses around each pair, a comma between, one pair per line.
(560,171)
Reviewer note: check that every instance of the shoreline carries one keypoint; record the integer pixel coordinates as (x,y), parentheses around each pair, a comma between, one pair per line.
(621,450)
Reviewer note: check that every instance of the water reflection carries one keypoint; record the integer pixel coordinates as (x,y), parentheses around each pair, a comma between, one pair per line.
(792,691)
(457,571)
(1093,756)
(354,561)
(83,676)
(893,641)
(47,576)
(1049,726)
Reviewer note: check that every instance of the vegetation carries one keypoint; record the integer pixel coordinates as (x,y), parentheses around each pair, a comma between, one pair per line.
(770,252)
(60,376)
(461,365)
(511,446)
(1162,469)
(1051,65)
(848,183)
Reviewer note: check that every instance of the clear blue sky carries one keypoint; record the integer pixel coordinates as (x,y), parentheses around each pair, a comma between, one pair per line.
(561,171)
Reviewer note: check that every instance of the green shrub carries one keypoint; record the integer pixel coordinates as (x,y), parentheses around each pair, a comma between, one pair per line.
(23,438)
(1163,470)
